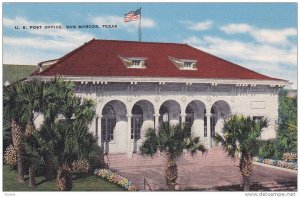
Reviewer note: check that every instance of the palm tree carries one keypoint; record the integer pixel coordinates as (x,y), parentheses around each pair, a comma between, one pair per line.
(240,138)
(170,142)
(53,99)
(36,150)
(11,110)
(20,100)
(68,137)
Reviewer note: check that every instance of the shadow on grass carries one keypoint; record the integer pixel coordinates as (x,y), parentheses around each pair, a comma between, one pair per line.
(44,181)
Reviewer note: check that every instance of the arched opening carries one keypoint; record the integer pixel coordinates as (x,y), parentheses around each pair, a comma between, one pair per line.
(142,119)
(113,117)
(189,117)
(169,112)
(220,111)
(136,125)
(108,123)
(194,118)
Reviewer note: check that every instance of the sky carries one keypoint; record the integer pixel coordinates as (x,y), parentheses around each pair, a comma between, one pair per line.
(258,36)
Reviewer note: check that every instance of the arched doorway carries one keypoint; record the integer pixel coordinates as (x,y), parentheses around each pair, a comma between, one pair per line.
(169,112)
(113,121)
(108,123)
(220,111)
(194,118)
(136,125)
(189,117)
(142,119)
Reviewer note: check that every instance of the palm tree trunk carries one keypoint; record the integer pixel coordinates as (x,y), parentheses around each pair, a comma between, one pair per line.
(63,178)
(171,174)
(49,168)
(18,143)
(32,182)
(29,129)
(246,183)
(246,168)
(20,167)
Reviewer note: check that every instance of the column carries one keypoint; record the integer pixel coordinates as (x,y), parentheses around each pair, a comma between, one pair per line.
(156,125)
(208,130)
(99,132)
(182,118)
(129,142)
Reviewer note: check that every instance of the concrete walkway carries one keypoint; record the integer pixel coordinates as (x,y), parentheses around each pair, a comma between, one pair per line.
(211,170)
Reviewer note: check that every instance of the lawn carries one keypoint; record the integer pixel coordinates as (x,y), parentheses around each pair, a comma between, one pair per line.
(13,73)
(87,183)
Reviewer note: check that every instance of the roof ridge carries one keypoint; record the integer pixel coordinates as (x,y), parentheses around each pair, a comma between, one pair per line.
(142,42)
(67,55)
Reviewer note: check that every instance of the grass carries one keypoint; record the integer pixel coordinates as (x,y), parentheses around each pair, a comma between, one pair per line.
(13,73)
(86,183)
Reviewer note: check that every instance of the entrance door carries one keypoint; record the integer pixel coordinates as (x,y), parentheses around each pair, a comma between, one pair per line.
(213,122)
(108,123)
(136,125)
(136,122)
(189,118)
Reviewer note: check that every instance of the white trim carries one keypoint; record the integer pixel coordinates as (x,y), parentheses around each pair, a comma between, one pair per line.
(237,82)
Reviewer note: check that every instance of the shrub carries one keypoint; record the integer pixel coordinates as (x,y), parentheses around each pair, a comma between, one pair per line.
(97,160)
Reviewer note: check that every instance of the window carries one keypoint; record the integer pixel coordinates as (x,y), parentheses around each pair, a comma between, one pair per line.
(134,62)
(188,64)
(108,123)
(136,122)
(213,121)
(205,124)
(184,64)
(164,114)
(257,118)
(189,118)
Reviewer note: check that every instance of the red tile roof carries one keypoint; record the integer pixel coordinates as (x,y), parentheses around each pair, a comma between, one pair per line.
(101,58)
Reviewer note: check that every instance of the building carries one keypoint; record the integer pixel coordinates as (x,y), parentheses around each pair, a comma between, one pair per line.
(138,85)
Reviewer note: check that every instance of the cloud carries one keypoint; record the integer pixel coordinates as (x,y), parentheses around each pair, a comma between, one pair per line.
(270,36)
(39,43)
(117,20)
(198,26)
(272,60)
(24,56)
(72,37)
(236,28)
(55,41)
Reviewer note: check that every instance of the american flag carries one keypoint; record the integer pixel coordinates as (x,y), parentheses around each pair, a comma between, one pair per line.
(132,15)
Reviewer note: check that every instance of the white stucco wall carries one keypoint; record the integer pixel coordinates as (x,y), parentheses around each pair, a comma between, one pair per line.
(259,101)
(254,101)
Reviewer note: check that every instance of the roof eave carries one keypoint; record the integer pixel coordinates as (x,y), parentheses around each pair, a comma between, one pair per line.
(238,82)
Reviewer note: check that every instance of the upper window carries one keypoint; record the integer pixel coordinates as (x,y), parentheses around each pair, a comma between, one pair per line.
(134,62)
(184,64)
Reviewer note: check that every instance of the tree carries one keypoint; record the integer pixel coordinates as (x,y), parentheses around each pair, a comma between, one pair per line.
(68,137)
(36,150)
(170,142)
(287,129)
(20,100)
(241,139)
(11,96)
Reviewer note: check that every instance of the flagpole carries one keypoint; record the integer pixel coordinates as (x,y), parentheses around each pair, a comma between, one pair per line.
(140,26)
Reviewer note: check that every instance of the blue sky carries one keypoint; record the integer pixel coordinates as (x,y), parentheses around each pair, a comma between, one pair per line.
(259,36)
